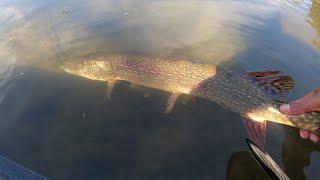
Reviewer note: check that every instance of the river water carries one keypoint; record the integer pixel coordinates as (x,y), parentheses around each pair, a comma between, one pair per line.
(62,127)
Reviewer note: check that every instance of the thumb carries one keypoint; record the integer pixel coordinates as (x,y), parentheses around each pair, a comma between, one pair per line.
(310,102)
(294,108)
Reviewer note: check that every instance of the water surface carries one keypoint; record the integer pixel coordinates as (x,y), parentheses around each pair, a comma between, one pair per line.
(62,126)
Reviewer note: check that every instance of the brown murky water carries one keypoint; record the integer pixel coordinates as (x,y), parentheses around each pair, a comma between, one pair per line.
(63,127)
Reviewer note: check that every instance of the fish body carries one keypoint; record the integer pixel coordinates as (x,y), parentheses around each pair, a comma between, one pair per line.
(237,92)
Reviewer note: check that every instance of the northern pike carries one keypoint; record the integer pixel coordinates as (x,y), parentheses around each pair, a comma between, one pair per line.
(249,94)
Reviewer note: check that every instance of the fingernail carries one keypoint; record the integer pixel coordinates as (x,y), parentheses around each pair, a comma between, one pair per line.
(314,138)
(285,108)
(304,134)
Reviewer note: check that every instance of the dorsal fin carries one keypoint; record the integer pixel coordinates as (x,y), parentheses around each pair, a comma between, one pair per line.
(263,74)
(275,85)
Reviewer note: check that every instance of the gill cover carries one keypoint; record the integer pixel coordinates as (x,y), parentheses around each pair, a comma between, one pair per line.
(95,70)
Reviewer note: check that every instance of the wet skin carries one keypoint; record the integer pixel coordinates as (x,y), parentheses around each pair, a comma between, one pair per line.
(310,102)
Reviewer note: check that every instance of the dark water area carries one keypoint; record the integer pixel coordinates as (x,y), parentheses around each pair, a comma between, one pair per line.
(63,126)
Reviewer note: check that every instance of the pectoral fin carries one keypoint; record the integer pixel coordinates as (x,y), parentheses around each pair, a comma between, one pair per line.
(256,131)
(110,87)
(171,102)
(188,99)
(134,86)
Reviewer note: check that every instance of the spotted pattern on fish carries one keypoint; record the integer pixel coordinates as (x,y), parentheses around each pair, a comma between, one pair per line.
(231,90)
(309,121)
(283,83)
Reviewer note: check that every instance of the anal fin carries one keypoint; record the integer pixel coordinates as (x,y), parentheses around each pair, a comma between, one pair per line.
(171,102)
(255,130)
(110,87)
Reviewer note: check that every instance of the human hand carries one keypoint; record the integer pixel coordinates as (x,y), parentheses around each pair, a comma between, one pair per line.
(310,102)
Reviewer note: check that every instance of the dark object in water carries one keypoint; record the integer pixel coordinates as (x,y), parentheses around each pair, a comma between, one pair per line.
(10,170)
(266,162)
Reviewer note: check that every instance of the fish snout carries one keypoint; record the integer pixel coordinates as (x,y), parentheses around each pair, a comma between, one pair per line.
(70,67)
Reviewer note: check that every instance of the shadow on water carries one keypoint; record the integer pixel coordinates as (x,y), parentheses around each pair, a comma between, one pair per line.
(63,133)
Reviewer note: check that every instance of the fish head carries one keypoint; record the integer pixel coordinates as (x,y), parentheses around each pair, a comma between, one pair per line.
(95,70)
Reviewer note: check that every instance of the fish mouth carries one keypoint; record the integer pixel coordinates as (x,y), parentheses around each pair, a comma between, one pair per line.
(63,67)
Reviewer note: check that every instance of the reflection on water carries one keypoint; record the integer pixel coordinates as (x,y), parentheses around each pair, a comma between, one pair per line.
(314,14)
(7,64)
(296,160)
(61,126)
(187,28)
(6,70)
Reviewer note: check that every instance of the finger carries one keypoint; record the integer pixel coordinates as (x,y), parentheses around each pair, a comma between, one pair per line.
(304,134)
(300,106)
(285,108)
(310,102)
(313,137)
(294,108)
